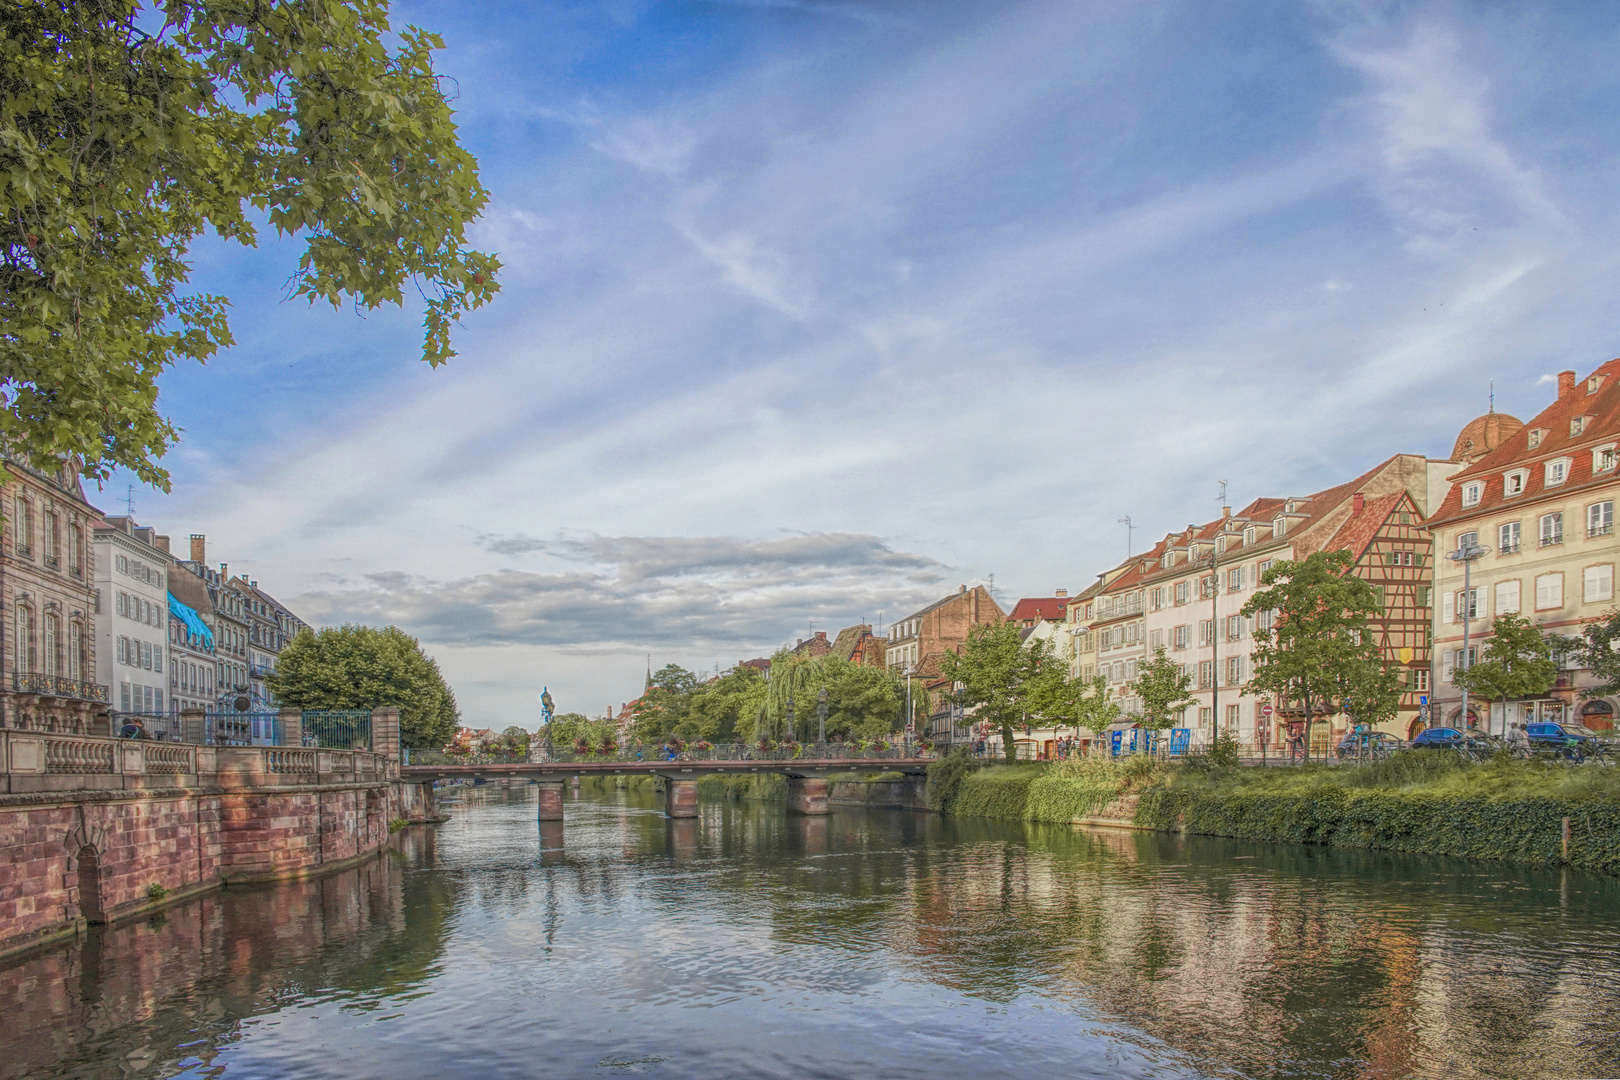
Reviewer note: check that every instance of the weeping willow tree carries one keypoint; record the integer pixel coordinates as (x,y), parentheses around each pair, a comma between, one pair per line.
(862,702)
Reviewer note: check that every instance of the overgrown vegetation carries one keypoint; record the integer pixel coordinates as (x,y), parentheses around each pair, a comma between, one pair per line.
(945,778)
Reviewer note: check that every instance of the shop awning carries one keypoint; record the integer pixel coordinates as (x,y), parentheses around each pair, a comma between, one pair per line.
(191,620)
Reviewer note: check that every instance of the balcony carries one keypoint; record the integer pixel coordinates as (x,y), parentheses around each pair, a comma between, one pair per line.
(33,682)
(1600,530)
(1509,549)
(259,671)
(1549,541)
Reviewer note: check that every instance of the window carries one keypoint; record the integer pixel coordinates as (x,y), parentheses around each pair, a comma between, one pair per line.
(1234,627)
(1420,679)
(1535,437)
(1208,586)
(1423,595)
(1597,583)
(1600,518)
(1604,458)
(1279,527)
(1234,716)
(1552,528)
(1206,632)
(1507,597)
(1206,675)
(78,658)
(53,644)
(1468,603)
(1467,540)
(24,530)
(123,604)
(26,655)
(1234,579)
(1234,671)
(53,540)
(123,696)
(1264,619)
(1507,538)
(1260,569)
(1249,535)
(1180,636)
(1555,472)
(1549,591)
(1593,383)
(1513,482)
(1158,598)
(75,551)
(1183,592)
(1577,426)
(1156,640)
(1471,492)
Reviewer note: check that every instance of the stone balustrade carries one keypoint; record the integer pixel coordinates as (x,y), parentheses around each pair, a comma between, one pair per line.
(37,761)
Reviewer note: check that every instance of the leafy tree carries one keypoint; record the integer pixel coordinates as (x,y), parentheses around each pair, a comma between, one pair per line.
(127,131)
(725,709)
(514,741)
(1001,679)
(1073,703)
(1517,662)
(1165,690)
(366,667)
(660,712)
(568,728)
(1598,651)
(1320,650)
(862,702)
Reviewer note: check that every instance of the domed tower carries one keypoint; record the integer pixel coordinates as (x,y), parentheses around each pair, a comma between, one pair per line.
(1483,434)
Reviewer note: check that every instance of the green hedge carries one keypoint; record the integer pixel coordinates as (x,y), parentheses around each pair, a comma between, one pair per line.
(1058,798)
(1000,791)
(1451,821)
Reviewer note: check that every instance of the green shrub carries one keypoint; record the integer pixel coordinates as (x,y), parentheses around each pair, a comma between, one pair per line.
(999,791)
(945,778)
(155,891)
(397,824)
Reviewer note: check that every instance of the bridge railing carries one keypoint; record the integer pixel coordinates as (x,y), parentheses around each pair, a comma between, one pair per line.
(829,751)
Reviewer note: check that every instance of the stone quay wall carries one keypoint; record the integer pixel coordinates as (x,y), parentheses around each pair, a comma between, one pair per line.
(102,846)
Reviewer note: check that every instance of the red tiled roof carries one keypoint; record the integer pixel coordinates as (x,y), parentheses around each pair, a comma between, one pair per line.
(1042,607)
(1359,529)
(1603,407)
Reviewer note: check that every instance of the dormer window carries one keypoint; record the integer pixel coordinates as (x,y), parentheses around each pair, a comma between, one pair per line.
(1279,525)
(1220,545)
(1604,458)
(1535,437)
(1289,508)
(1593,383)
(1249,535)
(1577,426)
(1557,471)
(1513,482)
(1471,493)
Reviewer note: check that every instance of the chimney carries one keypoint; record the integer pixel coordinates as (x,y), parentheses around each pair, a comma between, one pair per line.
(162,543)
(199,548)
(1060,593)
(821,635)
(1358,503)
(960,589)
(1226,512)
(1566,384)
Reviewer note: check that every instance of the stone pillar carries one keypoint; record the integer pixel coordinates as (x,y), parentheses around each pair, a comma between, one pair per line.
(429,811)
(292,727)
(193,726)
(807,795)
(551,843)
(550,797)
(680,798)
(385,732)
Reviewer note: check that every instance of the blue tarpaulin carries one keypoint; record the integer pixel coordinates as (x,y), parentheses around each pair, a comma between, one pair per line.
(193,622)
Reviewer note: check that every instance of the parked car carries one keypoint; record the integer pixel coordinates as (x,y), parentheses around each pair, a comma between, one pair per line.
(1569,739)
(1373,743)
(1438,738)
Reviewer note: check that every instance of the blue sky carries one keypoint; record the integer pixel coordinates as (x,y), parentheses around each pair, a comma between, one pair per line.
(815,310)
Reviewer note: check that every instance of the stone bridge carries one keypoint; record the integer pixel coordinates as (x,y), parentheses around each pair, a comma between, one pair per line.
(806,777)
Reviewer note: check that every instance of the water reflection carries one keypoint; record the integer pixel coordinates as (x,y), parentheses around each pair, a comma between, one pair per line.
(748,942)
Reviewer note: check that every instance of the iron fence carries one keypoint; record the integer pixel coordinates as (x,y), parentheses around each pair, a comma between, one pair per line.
(348,729)
(34,682)
(777,752)
(160,727)
(229,728)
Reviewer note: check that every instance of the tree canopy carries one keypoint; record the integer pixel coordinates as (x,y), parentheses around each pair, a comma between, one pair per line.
(128,131)
(1165,690)
(364,667)
(1002,680)
(1517,662)
(1319,651)
(1599,653)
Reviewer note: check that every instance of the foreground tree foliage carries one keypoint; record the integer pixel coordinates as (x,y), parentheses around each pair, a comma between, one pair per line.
(127,131)
(1166,692)
(1002,681)
(364,667)
(1517,663)
(1320,654)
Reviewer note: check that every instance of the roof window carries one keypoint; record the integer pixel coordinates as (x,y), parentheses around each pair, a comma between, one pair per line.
(1513,482)
(1536,435)
(1556,472)
(1594,382)
(1471,493)
(1577,426)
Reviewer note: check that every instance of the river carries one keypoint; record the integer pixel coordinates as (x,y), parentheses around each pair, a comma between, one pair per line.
(748,943)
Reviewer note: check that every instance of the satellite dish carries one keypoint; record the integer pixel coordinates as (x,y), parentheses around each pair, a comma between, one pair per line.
(242,704)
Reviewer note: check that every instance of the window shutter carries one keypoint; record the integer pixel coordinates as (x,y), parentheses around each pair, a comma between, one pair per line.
(1450,614)
(1450,665)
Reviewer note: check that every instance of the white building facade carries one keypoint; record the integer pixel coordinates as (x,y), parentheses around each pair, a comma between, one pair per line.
(132,619)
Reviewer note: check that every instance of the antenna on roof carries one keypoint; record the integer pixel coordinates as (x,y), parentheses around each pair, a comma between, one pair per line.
(1129,526)
(1222,495)
(1493,395)
(129,503)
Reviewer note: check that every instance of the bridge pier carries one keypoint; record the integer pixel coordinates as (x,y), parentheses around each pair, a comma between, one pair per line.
(680,798)
(807,795)
(551,843)
(550,798)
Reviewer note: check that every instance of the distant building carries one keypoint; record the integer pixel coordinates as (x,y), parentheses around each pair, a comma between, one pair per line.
(814,646)
(132,624)
(50,662)
(859,646)
(1032,610)
(1539,498)
(193,658)
(916,643)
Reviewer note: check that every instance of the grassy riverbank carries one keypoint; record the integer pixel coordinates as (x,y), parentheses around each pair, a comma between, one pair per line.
(1422,802)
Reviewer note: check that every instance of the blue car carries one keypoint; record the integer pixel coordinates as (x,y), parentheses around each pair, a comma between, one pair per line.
(1571,740)
(1437,738)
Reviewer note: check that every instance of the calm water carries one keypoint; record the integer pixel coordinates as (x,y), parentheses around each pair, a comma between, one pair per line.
(867,944)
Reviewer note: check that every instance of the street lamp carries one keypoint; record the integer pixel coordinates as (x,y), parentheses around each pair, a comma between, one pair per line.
(790,718)
(1470,550)
(821,716)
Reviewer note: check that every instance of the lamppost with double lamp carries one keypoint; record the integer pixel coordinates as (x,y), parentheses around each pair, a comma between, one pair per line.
(1466,553)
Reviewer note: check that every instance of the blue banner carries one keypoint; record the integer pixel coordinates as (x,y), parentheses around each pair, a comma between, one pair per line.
(1113,743)
(1180,740)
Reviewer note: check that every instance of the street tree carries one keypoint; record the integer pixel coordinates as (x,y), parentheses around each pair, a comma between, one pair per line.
(862,702)
(366,667)
(1515,663)
(724,710)
(1319,649)
(661,711)
(129,130)
(1165,691)
(1598,651)
(1001,679)
(1076,703)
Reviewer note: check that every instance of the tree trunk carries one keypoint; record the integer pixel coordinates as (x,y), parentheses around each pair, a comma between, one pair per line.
(1009,749)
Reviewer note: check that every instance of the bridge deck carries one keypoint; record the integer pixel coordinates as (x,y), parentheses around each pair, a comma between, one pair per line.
(812,767)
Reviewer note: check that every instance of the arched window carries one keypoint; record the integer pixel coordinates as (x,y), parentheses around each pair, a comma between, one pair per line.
(77,658)
(25,639)
(53,644)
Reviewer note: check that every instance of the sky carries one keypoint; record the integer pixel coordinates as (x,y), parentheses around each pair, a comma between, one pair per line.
(814,310)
